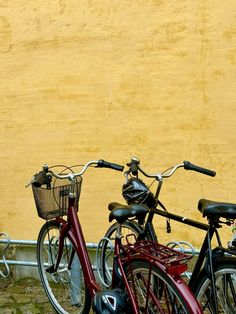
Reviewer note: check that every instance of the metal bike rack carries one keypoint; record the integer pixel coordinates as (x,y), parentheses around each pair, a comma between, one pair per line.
(6,242)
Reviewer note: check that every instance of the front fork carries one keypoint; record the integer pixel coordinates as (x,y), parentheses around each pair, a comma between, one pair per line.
(72,230)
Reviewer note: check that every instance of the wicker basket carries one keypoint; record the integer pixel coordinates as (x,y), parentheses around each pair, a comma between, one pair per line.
(53,202)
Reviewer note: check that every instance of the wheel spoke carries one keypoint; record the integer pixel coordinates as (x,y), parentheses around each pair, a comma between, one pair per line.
(64,286)
(153,290)
(225,284)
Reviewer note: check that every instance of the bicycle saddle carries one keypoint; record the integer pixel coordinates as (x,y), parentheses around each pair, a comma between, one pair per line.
(212,208)
(123,212)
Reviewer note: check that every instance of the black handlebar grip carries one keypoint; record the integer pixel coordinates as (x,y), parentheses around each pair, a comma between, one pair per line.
(189,166)
(105,164)
(39,179)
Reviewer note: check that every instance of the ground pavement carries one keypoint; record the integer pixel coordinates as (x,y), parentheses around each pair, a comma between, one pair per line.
(23,297)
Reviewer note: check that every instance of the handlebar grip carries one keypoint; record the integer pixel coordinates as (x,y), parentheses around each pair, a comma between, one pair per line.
(189,166)
(39,179)
(105,164)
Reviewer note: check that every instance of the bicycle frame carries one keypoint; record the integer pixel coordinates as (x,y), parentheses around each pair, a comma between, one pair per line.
(72,229)
(205,251)
(210,229)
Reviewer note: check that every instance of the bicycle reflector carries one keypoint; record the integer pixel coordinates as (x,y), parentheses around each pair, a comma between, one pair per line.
(177,269)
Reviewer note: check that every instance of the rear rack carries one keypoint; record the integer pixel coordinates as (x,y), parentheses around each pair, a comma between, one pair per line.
(164,255)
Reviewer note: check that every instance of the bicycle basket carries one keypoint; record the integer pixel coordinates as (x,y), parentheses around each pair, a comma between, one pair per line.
(53,202)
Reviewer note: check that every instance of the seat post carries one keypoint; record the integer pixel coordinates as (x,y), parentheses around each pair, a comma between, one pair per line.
(214,223)
(118,231)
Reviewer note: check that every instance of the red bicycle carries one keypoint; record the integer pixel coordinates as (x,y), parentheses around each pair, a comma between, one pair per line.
(146,275)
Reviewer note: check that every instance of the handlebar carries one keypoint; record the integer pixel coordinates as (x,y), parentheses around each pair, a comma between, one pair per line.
(45,175)
(105,164)
(134,167)
(189,166)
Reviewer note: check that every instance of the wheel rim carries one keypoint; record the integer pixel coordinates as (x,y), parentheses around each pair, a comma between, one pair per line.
(64,288)
(226,293)
(155,295)
(106,254)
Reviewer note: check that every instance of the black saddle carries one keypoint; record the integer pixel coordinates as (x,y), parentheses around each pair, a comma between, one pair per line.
(122,212)
(211,208)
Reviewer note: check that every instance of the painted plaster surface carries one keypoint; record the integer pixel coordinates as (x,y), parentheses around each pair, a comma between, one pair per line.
(84,80)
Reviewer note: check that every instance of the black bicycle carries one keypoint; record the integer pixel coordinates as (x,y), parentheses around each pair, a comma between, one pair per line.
(213,279)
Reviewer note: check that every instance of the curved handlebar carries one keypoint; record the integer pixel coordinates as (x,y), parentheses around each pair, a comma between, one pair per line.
(44,176)
(134,168)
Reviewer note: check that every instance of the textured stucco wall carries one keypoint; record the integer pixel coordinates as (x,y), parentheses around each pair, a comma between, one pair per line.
(84,80)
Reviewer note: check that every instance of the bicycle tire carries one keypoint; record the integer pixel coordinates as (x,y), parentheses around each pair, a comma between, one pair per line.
(164,296)
(106,256)
(66,288)
(225,275)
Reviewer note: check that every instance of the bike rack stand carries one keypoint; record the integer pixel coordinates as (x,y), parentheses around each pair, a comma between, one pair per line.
(6,242)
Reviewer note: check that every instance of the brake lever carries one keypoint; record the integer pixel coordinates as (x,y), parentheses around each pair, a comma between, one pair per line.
(126,175)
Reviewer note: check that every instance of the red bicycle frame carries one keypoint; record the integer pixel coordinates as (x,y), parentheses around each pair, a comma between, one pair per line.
(72,229)
(136,252)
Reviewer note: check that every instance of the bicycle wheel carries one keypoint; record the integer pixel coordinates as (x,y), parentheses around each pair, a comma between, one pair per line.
(107,245)
(225,275)
(155,292)
(65,288)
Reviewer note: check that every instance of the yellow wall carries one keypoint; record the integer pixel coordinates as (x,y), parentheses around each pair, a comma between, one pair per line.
(92,79)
